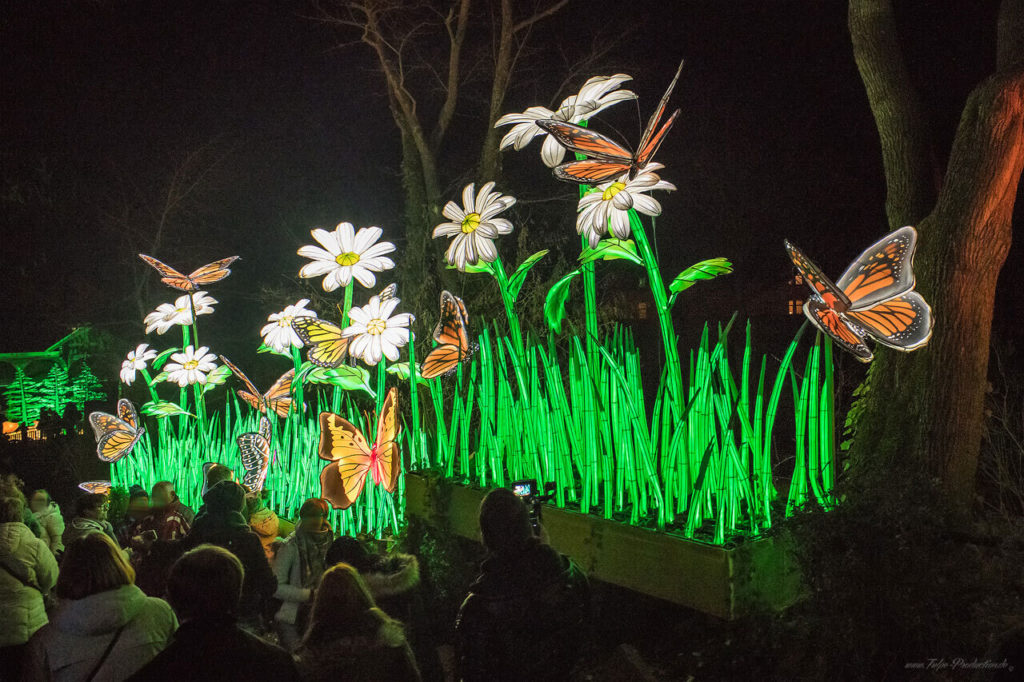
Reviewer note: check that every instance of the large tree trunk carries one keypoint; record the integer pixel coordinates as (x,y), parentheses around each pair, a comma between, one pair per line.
(929,404)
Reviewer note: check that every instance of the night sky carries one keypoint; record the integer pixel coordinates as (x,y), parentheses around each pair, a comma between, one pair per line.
(103,99)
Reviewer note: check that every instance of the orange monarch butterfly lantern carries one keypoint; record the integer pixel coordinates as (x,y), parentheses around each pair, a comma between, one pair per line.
(277,398)
(208,274)
(609,159)
(116,436)
(351,458)
(874,297)
(452,336)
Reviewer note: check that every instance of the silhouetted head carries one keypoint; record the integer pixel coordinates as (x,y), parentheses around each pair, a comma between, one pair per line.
(504,521)
(205,583)
(92,564)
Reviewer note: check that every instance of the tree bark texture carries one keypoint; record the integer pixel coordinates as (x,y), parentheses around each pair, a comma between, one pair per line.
(929,404)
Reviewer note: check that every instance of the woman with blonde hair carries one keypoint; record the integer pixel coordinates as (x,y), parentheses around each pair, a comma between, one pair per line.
(104,628)
(349,637)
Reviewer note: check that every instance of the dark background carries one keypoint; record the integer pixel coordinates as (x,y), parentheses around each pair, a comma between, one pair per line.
(102,99)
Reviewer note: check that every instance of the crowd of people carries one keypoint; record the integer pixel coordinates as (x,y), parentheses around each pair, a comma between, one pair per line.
(233,592)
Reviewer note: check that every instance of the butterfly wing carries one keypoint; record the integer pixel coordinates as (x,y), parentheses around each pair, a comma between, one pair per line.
(103,423)
(279,398)
(169,275)
(590,171)
(883,271)
(100,487)
(118,443)
(903,323)
(344,446)
(389,292)
(326,346)
(848,337)
(650,141)
(584,141)
(388,462)
(452,325)
(819,283)
(211,272)
(126,412)
(442,360)
(255,454)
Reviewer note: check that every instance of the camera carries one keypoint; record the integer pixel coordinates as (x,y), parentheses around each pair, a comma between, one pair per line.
(530,492)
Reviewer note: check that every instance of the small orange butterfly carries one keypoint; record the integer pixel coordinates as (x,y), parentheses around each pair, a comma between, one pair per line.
(609,159)
(96,487)
(452,336)
(351,458)
(208,274)
(874,297)
(278,398)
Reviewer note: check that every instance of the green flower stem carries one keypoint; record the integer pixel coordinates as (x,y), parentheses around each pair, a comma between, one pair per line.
(668,332)
(297,396)
(195,319)
(155,398)
(414,403)
(347,305)
(589,289)
(182,394)
(149,384)
(498,268)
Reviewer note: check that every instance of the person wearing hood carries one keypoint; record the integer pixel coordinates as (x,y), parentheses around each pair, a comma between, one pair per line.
(220,522)
(271,528)
(349,638)
(392,579)
(48,515)
(525,612)
(129,529)
(90,517)
(299,565)
(104,628)
(169,518)
(28,571)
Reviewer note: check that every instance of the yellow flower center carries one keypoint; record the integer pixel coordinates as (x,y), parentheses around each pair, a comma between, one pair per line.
(614,189)
(347,258)
(470,223)
(190,364)
(376,326)
(285,322)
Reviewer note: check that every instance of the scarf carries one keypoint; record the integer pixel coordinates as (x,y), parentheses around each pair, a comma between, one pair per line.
(312,547)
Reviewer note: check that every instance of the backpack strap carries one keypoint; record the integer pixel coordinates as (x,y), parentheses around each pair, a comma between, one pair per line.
(106,653)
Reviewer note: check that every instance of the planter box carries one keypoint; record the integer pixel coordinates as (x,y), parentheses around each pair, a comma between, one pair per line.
(724,582)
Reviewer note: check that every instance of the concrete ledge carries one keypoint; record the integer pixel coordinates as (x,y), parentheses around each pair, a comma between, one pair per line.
(723,582)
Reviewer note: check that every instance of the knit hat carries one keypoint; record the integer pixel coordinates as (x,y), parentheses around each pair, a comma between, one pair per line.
(226,496)
(136,491)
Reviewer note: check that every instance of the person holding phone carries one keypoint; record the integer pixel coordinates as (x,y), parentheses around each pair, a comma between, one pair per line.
(524,613)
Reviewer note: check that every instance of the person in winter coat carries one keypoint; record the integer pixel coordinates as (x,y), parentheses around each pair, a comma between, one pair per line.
(104,627)
(90,517)
(525,612)
(204,586)
(221,523)
(169,518)
(298,567)
(27,573)
(391,579)
(48,514)
(349,638)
